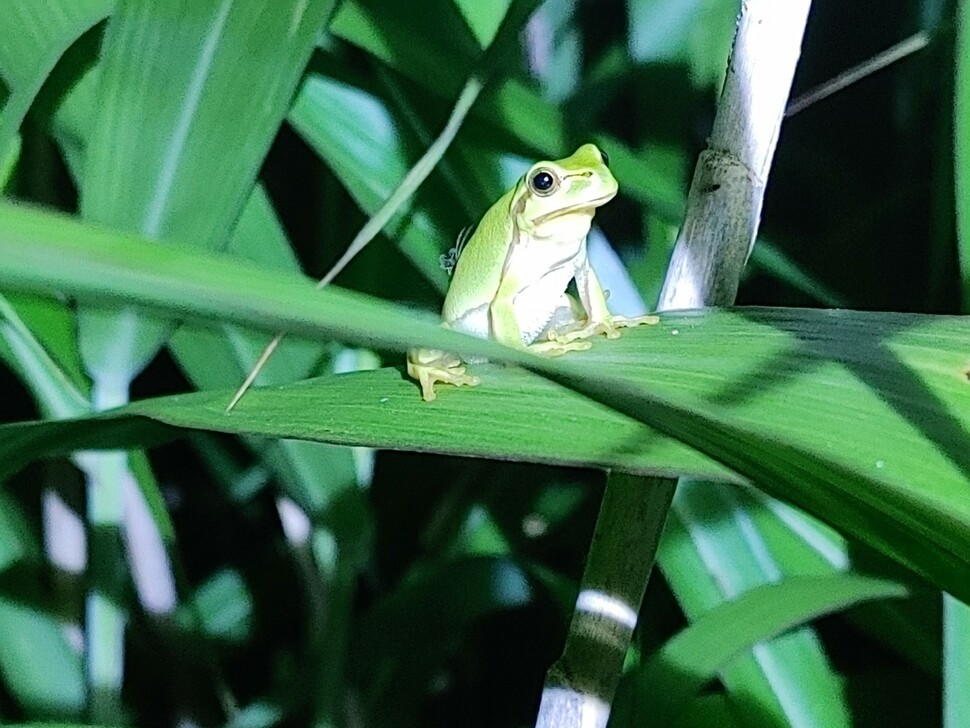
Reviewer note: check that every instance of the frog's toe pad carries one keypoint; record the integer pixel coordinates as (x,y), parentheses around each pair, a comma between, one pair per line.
(557,347)
(610,327)
(427,375)
(628,322)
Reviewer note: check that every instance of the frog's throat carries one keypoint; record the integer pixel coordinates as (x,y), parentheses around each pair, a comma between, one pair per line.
(590,205)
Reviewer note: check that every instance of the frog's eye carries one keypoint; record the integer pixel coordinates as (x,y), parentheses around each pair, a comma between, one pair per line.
(606,158)
(543,182)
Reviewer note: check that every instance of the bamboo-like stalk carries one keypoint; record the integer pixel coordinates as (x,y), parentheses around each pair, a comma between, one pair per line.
(721,222)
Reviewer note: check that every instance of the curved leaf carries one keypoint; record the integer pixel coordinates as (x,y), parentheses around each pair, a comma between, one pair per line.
(862,419)
(696,655)
(36,35)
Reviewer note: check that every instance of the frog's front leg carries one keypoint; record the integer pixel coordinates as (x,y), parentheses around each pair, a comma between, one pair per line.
(599,320)
(433,365)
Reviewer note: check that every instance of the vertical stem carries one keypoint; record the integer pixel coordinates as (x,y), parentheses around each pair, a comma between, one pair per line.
(580,685)
(726,194)
(105,475)
(956,662)
(105,618)
(723,212)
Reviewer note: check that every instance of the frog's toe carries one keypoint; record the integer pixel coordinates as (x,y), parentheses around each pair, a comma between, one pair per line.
(610,327)
(629,322)
(457,377)
(557,347)
(570,337)
(428,375)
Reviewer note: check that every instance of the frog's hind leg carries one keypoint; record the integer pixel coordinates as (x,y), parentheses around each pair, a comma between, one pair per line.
(432,365)
(567,316)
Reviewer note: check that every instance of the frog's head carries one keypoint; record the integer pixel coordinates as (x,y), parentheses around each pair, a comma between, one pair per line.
(554,196)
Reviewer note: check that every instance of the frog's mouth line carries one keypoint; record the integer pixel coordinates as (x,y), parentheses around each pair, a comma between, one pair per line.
(574,208)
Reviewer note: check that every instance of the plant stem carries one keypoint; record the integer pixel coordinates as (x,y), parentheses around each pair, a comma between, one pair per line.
(721,222)
(580,684)
(105,615)
(956,662)
(401,195)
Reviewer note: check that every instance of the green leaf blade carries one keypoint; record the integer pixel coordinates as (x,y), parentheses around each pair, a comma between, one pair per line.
(862,419)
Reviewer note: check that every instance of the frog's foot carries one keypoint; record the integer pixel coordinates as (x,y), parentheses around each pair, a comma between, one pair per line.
(610,326)
(556,347)
(430,366)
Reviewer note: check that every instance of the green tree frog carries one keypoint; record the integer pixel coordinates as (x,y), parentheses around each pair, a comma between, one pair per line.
(509,283)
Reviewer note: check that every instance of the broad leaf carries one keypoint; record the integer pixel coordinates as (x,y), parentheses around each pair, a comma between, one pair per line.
(862,419)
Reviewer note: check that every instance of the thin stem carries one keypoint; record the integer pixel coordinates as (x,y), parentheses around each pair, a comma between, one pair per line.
(901,50)
(409,185)
(584,680)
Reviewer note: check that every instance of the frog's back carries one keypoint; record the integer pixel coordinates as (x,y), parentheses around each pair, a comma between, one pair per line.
(479,269)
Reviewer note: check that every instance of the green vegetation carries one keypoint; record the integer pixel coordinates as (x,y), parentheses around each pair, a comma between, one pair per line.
(337,552)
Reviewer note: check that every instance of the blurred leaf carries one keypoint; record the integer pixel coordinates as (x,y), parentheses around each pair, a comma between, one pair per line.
(696,655)
(188,141)
(956,662)
(16,539)
(178,138)
(312,473)
(440,53)
(41,30)
(218,359)
(35,35)
(648,269)
(257,715)
(712,552)
(768,257)
(53,323)
(655,176)
(517,109)
(53,389)
(708,710)
(554,44)
(445,56)
(961,146)
(8,161)
(484,19)
(409,634)
(224,606)
(40,669)
(803,546)
(696,32)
